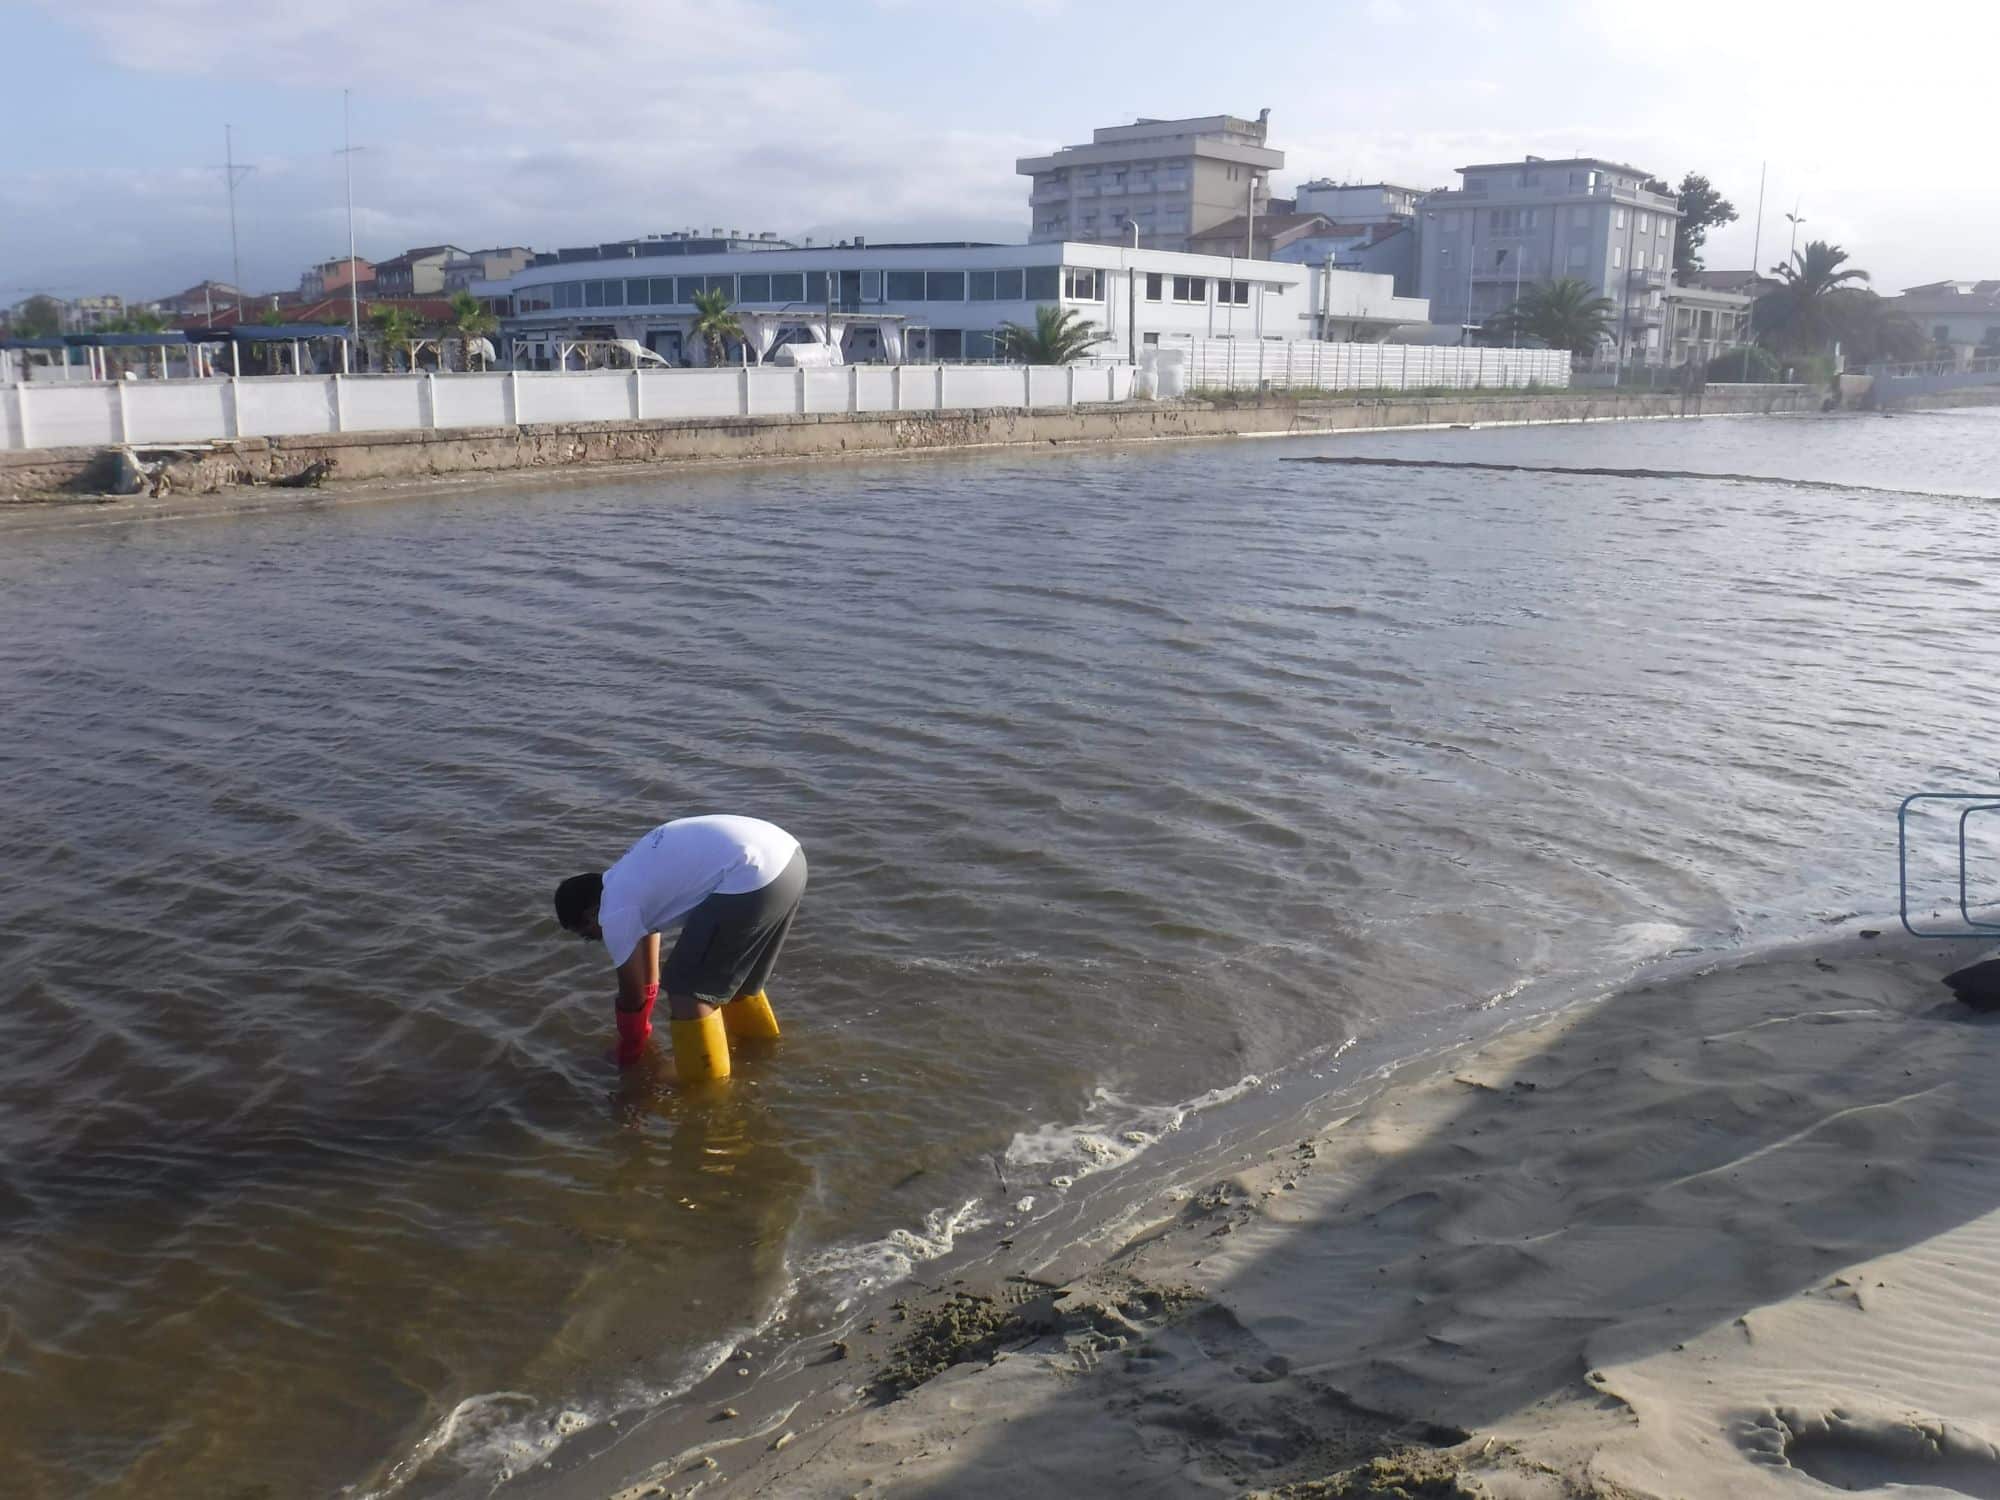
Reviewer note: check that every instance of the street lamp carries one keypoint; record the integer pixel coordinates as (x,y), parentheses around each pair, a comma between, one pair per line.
(1131,299)
(1796,221)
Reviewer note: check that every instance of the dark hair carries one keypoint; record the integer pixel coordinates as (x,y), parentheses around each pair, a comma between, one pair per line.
(577,898)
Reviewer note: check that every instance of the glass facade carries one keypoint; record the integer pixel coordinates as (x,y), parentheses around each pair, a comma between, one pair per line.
(788,288)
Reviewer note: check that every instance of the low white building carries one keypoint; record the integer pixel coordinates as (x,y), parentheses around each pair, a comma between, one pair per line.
(933,302)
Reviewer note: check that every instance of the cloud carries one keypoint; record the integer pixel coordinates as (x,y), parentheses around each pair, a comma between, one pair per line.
(575,123)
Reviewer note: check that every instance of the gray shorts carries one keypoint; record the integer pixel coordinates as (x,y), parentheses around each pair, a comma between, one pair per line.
(729,944)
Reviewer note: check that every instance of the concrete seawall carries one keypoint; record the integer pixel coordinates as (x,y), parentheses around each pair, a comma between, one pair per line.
(72,474)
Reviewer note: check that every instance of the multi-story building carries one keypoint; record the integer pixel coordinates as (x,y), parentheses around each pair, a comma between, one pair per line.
(1357,202)
(94,314)
(331,276)
(462,271)
(1961,317)
(1703,322)
(1171,179)
(203,300)
(1511,225)
(414,273)
(936,302)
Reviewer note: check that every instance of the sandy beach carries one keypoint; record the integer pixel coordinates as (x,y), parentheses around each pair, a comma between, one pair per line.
(1730,1233)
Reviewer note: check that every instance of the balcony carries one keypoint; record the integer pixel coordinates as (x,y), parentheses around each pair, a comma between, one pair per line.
(1654,281)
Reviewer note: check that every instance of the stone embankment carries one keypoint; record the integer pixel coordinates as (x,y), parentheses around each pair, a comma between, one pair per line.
(76,474)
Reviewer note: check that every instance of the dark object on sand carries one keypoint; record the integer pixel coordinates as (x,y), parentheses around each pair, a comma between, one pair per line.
(308,478)
(1977,985)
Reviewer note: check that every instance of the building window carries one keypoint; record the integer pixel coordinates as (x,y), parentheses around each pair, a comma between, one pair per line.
(638,293)
(1237,292)
(1645,223)
(661,293)
(788,286)
(593,294)
(1082,286)
(979,344)
(1153,286)
(1619,223)
(1044,283)
(1190,289)
(753,288)
(1617,257)
(944,286)
(1010,286)
(980,286)
(871,286)
(903,286)
(1150,338)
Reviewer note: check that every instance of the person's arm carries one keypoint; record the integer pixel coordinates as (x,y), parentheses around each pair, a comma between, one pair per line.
(638,988)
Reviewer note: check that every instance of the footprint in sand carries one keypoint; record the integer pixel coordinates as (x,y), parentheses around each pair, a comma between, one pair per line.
(1868,1451)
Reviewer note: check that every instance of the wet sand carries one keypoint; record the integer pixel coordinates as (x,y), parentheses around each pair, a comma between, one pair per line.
(1732,1232)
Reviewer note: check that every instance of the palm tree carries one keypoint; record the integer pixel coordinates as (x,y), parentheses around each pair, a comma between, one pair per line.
(714,323)
(396,329)
(470,320)
(1563,314)
(1802,315)
(1059,336)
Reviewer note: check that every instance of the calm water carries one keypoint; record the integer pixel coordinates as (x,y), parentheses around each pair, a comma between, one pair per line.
(1123,775)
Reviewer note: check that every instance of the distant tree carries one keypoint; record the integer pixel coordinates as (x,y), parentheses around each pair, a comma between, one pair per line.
(1702,209)
(270,317)
(1563,314)
(715,324)
(145,320)
(470,320)
(38,318)
(1801,315)
(1060,337)
(397,330)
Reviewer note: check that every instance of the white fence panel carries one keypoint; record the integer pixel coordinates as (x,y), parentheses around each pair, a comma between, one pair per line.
(280,404)
(369,403)
(177,411)
(592,396)
(826,390)
(919,388)
(67,416)
(1048,385)
(1241,364)
(10,431)
(471,401)
(774,390)
(983,385)
(679,394)
(877,389)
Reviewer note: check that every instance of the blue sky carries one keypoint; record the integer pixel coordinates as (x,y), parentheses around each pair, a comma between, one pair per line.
(570,121)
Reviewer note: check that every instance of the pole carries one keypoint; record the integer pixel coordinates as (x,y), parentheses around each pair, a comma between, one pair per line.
(1625,283)
(1471,248)
(347,157)
(1757,241)
(235,262)
(1517,294)
(1132,301)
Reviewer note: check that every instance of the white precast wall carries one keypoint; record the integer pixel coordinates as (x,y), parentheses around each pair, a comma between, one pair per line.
(1240,364)
(100,414)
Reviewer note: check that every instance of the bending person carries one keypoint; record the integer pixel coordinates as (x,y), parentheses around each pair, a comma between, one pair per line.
(733,886)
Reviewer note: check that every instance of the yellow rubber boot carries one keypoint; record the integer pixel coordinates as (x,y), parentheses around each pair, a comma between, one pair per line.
(750,1016)
(701,1048)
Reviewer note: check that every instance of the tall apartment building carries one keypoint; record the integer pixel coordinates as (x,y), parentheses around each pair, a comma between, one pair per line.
(1172,178)
(1512,224)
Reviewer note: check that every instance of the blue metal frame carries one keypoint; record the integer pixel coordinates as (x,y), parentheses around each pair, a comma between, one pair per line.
(1981,802)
